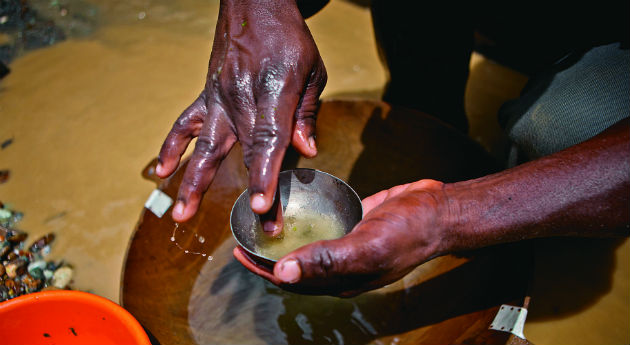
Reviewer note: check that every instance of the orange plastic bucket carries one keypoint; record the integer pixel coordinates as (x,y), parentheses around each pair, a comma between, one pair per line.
(67,317)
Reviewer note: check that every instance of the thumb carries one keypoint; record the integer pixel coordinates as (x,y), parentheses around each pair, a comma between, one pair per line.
(323,264)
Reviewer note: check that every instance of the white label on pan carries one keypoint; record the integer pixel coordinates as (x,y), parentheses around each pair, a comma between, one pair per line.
(158,203)
(510,319)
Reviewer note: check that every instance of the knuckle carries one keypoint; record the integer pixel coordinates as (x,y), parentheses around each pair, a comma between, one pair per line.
(324,263)
(307,112)
(266,129)
(190,188)
(181,126)
(248,157)
(188,124)
(271,80)
(230,78)
(267,135)
(207,148)
(430,184)
(236,90)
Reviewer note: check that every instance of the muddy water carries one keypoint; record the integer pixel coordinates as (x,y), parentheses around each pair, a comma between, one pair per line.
(228,305)
(87,114)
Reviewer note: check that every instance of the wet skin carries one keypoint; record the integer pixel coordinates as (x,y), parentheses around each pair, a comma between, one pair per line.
(264,80)
(580,191)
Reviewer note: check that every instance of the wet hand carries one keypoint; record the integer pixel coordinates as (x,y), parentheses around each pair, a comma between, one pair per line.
(264,80)
(402,228)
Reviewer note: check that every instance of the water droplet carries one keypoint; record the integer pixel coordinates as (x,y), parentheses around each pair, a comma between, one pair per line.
(187,251)
(210,258)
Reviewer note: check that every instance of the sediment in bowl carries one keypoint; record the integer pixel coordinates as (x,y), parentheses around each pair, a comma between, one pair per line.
(300,189)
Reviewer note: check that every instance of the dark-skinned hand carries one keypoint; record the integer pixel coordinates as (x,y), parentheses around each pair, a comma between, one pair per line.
(264,80)
(579,191)
(405,219)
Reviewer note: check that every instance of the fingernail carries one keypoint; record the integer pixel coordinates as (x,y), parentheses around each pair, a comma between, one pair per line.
(289,271)
(159,168)
(270,226)
(258,202)
(311,144)
(179,208)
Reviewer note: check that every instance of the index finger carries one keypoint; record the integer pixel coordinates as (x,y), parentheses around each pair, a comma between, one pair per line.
(213,144)
(186,127)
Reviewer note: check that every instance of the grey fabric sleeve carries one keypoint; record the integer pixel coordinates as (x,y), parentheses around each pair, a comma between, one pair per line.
(578,98)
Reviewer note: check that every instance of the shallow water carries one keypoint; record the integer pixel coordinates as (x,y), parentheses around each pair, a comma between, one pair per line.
(87,114)
(241,308)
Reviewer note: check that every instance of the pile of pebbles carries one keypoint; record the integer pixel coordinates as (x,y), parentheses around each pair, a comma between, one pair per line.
(24,269)
(26,25)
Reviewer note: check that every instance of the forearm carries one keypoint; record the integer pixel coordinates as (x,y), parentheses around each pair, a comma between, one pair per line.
(581,191)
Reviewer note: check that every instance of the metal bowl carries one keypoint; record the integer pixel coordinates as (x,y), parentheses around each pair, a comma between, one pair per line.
(307,190)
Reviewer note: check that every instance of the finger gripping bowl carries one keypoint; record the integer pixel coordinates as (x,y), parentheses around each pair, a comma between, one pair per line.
(302,191)
(67,317)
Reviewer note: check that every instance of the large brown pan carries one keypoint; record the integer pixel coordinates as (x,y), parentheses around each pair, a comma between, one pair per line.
(192,291)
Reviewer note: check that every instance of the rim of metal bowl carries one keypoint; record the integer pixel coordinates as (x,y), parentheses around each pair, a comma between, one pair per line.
(246,189)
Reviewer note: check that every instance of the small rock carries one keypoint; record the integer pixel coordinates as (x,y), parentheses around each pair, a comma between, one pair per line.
(4,213)
(6,143)
(4,293)
(62,277)
(19,288)
(5,249)
(37,273)
(52,266)
(17,237)
(4,175)
(17,216)
(41,243)
(48,274)
(24,254)
(37,265)
(31,284)
(15,268)
(11,288)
